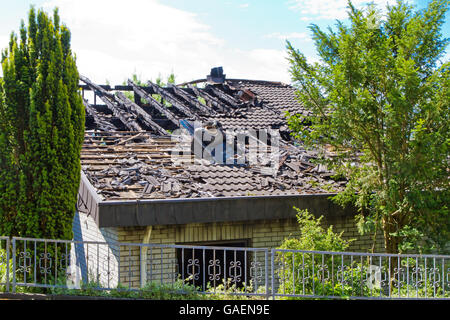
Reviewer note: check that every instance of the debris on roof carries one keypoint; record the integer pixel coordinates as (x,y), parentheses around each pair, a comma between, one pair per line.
(130,152)
(236,104)
(126,165)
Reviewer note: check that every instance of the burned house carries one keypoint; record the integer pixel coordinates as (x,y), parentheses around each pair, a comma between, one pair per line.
(210,162)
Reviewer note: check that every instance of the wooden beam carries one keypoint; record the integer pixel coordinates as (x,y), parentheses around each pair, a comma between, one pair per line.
(87,87)
(193,101)
(213,102)
(136,109)
(129,120)
(219,93)
(102,123)
(158,106)
(172,100)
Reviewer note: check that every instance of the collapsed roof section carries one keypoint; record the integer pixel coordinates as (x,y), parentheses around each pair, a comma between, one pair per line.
(141,179)
(139,165)
(135,171)
(234,104)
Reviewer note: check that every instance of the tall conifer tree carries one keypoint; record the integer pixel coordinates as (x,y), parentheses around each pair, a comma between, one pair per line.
(41,130)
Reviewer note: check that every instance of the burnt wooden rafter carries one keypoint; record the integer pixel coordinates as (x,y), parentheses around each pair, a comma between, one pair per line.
(129,120)
(212,101)
(136,109)
(172,100)
(191,100)
(104,124)
(226,98)
(154,103)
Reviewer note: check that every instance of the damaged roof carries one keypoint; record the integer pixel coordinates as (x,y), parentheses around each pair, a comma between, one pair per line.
(130,165)
(128,151)
(235,104)
(130,158)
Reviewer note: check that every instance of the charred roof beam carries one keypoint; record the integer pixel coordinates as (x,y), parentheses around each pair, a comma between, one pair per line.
(138,111)
(212,101)
(103,124)
(172,100)
(223,96)
(154,103)
(110,102)
(193,101)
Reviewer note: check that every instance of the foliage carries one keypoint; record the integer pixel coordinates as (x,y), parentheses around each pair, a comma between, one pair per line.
(313,237)
(137,80)
(350,282)
(379,100)
(5,270)
(230,291)
(179,290)
(152,290)
(41,131)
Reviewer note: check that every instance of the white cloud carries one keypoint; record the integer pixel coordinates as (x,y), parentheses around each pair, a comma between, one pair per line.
(293,35)
(4,41)
(264,64)
(325,9)
(445,57)
(114,39)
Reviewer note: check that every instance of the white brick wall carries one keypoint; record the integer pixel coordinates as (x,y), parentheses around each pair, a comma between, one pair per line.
(258,234)
(95,258)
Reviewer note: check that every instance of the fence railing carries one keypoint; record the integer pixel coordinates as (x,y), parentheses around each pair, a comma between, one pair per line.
(270,273)
(360,275)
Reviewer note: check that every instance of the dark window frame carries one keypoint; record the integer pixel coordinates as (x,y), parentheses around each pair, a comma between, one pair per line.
(193,263)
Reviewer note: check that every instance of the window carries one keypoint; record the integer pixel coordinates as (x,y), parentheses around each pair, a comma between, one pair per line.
(213,264)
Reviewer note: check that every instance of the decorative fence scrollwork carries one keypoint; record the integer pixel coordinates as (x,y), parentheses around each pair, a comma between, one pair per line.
(214,270)
(271,273)
(24,262)
(235,271)
(360,275)
(193,268)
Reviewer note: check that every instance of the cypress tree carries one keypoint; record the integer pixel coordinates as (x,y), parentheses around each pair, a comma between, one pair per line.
(41,131)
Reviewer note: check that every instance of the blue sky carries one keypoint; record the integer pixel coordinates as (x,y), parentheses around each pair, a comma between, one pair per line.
(115,38)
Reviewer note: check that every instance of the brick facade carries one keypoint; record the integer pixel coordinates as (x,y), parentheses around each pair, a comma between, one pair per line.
(95,258)
(161,263)
(259,234)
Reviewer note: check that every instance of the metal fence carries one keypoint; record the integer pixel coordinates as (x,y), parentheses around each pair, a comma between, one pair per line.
(360,275)
(264,272)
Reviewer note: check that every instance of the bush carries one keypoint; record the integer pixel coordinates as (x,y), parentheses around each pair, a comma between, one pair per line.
(4,270)
(308,273)
(228,291)
(314,237)
(152,290)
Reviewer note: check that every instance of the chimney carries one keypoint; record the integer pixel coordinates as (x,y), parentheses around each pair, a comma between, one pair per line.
(216,76)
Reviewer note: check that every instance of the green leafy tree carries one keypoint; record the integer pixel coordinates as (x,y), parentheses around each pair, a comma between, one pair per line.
(379,100)
(308,273)
(41,130)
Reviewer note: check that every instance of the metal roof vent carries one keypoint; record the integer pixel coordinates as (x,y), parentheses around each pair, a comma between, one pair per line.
(216,76)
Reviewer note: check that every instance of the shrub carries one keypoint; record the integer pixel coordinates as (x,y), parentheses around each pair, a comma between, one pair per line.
(4,269)
(307,273)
